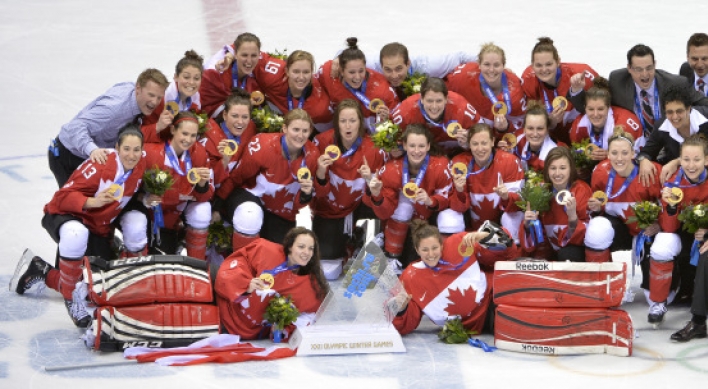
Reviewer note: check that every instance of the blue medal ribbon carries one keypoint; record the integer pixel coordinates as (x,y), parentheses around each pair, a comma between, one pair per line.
(229,135)
(234,77)
(470,167)
(480,344)
(680,175)
(528,153)
(490,94)
(638,108)
(536,230)
(188,102)
(174,161)
(284,145)
(358,93)
(695,254)
(625,185)
(446,265)
(281,268)
(300,101)
(353,149)
(547,102)
(596,141)
(642,239)
(421,172)
(432,122)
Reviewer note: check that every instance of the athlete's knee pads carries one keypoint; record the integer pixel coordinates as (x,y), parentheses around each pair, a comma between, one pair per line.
(450,222)
(248,218)
(512,221)
(666,246)
(198,215)
(599,233)
(73,239)
(134,227)
(146,280)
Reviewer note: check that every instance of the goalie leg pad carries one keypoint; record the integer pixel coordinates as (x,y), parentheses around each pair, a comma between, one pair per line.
(394,236)
(557,331)
(196,241)
(146,280)
(660,279)
(155,325)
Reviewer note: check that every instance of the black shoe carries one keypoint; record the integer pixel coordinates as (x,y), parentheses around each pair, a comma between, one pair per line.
(77,313)
(31,270)
(692,330)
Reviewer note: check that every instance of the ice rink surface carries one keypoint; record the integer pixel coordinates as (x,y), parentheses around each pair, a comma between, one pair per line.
(59,55)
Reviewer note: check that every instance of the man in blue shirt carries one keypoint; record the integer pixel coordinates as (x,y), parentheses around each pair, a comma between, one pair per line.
(95,128)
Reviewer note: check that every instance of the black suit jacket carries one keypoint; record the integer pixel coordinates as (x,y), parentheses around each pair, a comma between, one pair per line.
(662,140)
(687,72)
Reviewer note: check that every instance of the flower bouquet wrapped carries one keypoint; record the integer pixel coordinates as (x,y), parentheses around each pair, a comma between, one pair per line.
(220,237)
(281,312)
(411,84)
(453,332)
(646,213)
(266,120)
(694,217)
(157,181)
(386,136)
(279,54)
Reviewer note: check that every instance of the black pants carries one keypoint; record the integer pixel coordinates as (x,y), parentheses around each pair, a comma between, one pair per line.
(700,291)
(100,246)
(64,164)
(330,232)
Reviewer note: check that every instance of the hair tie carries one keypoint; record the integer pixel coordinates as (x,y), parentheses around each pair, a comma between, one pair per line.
(186,118)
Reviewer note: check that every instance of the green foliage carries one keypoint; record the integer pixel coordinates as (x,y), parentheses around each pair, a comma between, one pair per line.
(220,237)
(157,181)
(453,332)
(386,136)
(279,54)
(694,217)
(646,213)
(266,120)
(411,85)
(281,312)
(537,193)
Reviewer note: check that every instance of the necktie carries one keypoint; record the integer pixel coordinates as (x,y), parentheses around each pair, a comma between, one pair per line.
(647,113)
(138,120)
(701,85)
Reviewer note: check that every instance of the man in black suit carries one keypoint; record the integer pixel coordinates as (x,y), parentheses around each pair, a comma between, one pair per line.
(638,87)
(695,69)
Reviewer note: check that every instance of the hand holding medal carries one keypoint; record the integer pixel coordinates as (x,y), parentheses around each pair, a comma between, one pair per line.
(257,98)
(172,107)
(563,197)
(193,176)
(509,140)
(597,201)
(230,147)
(674,196)
(116,191)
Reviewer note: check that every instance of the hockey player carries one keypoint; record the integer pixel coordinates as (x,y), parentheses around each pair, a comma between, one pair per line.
(448,281)
(486,85)
(183,91)
(547,79)
(489,186)
(343,173)
(563,225)
(81,217)
(609,229)
(276,175)
(291,269)
(188,163)
(357,82)
(534,142)
(412,187)
(437,109)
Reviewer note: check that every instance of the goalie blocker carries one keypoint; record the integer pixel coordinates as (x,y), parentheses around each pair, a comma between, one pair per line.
(147,279)
(559,284)
(558,331)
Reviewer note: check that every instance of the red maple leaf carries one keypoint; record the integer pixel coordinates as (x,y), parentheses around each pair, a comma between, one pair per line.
(461,302)
(486,210)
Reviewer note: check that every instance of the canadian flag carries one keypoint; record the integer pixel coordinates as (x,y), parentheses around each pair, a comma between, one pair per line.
(223,348)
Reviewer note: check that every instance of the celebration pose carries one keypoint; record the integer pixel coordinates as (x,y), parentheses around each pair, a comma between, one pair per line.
(347,159)
(550,80)
(81,218)
(496,92)
(293,269)
(534,143)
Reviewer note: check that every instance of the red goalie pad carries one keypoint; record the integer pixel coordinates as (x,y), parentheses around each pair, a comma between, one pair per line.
(146,280)
(559,284)
(156,325)
(557,331)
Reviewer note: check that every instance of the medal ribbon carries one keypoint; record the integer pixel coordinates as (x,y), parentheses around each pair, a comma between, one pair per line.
(695,254)
(234,77)
(188,101)
(432,122)
(174,161)
(284,145)
(470,167)
(447,265)
(638,108)
(625,185)
(681,175)
(353,149)
(479,343)
(597,141)
(421,172)
(281,268)
(642,239)
(300,101)
(490,93)
(549,105)
(358,94)
(229,135)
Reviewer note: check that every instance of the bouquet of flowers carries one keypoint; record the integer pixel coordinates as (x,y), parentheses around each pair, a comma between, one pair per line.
(281,312)
(279,54)
(157,181)
(694,217)
(266,120)
(538,194)
(533,177)
(646,213)
(203,120)
(582,160)
(411,85)
(386,136)
(220,237)
(453,332)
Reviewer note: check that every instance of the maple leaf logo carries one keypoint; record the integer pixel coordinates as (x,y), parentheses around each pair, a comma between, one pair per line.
(484,206)
(461,302)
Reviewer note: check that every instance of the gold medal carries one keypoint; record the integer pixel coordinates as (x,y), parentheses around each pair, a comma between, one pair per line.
(510,140)
(333,152)
(453,128)
(465,250)
(375,104)
(193,176)
(499,108)
(459,168)
(676,196)
(600,196)
(257,98)
(590,148)
(560,102)
(231,147)
(303,173)
(410,189)
(268,279)
(172,107)
(116,190)
(563,196)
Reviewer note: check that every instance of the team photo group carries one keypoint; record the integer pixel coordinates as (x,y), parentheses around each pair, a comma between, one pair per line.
(451,162)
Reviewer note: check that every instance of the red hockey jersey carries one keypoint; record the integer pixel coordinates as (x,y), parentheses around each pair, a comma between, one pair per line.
(149,123)
(216,87)
(88,180)
(616,116)
(210,141)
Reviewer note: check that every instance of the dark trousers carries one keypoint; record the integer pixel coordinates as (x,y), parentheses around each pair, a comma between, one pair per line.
(700,291)
(62,162)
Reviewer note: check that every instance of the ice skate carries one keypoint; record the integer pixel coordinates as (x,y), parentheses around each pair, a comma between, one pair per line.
(656,314)
(30,271)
